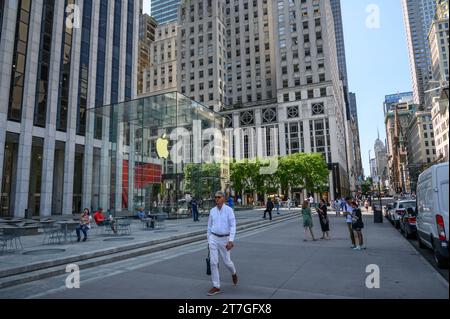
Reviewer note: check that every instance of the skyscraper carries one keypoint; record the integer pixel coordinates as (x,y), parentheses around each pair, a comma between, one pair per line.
(53,71)
(165,11)
(268,75)
(340,45)
(418,15)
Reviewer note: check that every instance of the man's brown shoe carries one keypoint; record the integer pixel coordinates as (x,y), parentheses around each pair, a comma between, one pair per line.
(235,279)
(213,291)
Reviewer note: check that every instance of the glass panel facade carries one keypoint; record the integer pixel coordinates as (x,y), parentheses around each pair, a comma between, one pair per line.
(84,67)
(34,191)
(116,51)
(9,174)
(129,59)
(100,81)
(19,58)
(40,109)
(66,52)
(176,147)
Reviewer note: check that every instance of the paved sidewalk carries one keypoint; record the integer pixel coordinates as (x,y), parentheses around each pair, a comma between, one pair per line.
(35,251)
(272,262)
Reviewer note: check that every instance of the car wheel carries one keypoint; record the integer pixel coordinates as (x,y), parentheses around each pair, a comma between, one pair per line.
(441,261)
(405,232)
(421,244)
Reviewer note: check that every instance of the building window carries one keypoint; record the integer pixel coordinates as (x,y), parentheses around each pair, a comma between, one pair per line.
(269,115)
(292,112)
(84,68)
(40,109)
(19,61)
(318,109)
(247,118)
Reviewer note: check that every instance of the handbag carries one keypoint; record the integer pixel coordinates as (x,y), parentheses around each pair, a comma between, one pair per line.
(208,264)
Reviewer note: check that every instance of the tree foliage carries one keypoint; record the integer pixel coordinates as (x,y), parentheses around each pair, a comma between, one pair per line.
(297,170)
(202,180)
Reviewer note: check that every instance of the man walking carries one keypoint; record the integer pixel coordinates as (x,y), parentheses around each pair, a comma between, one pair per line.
(220,234)
(269,208)
(194,210)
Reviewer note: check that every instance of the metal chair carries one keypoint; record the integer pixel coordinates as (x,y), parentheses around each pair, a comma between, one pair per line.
(52,234)
(11,241)
(160,221)
(124,226)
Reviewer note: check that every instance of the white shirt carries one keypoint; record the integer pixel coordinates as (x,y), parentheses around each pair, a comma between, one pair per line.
(222,222)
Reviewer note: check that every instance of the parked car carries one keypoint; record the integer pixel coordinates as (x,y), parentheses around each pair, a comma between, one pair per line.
(399,209)
(432,211)
(408,223)
(387,209)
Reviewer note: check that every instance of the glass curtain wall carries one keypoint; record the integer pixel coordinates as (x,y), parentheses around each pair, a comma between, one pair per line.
(164,151)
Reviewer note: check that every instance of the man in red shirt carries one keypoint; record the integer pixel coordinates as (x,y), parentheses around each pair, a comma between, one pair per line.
(101,221)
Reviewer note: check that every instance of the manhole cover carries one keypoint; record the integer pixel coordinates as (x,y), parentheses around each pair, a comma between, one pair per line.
(166,231)
(44,251)
(119,239)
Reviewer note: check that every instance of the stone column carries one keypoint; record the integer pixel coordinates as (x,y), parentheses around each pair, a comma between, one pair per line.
(69,157)
(90,116)
(28,103)
(49,162)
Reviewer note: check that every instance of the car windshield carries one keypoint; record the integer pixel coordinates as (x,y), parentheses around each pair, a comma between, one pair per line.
(407,204)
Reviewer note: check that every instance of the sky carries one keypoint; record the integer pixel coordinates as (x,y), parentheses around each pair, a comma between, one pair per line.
(147,7)
(377,62)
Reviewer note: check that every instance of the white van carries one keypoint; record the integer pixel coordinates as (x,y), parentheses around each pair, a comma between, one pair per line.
(432,211)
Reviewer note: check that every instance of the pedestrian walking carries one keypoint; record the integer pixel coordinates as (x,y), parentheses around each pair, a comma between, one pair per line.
(307,220)
(348,213)
(357,226)
(194,209)
(337,207)
(366,205)
(277,204)
(269,208)
(323,219)
(311,201)
(221,233)
(288,202)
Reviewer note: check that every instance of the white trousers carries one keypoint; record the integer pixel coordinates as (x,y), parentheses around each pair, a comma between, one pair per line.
(216,245)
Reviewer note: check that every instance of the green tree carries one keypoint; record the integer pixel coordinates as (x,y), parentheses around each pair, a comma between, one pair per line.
(202,180)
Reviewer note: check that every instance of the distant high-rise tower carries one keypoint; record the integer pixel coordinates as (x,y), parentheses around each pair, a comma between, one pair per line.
(340,47)
(165,11)
(418,15)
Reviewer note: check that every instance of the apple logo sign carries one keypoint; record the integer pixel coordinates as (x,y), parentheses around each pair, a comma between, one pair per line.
(161,147)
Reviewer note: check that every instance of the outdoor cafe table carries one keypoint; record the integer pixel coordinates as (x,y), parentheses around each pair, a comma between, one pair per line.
(65,227)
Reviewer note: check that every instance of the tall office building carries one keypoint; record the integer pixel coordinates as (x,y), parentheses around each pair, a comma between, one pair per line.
(438,38)
(275,80)
(165,11)
(418,15)
(161,74)
(340,44)
(54,70)
(381,161)
(147,27)
(356,140)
